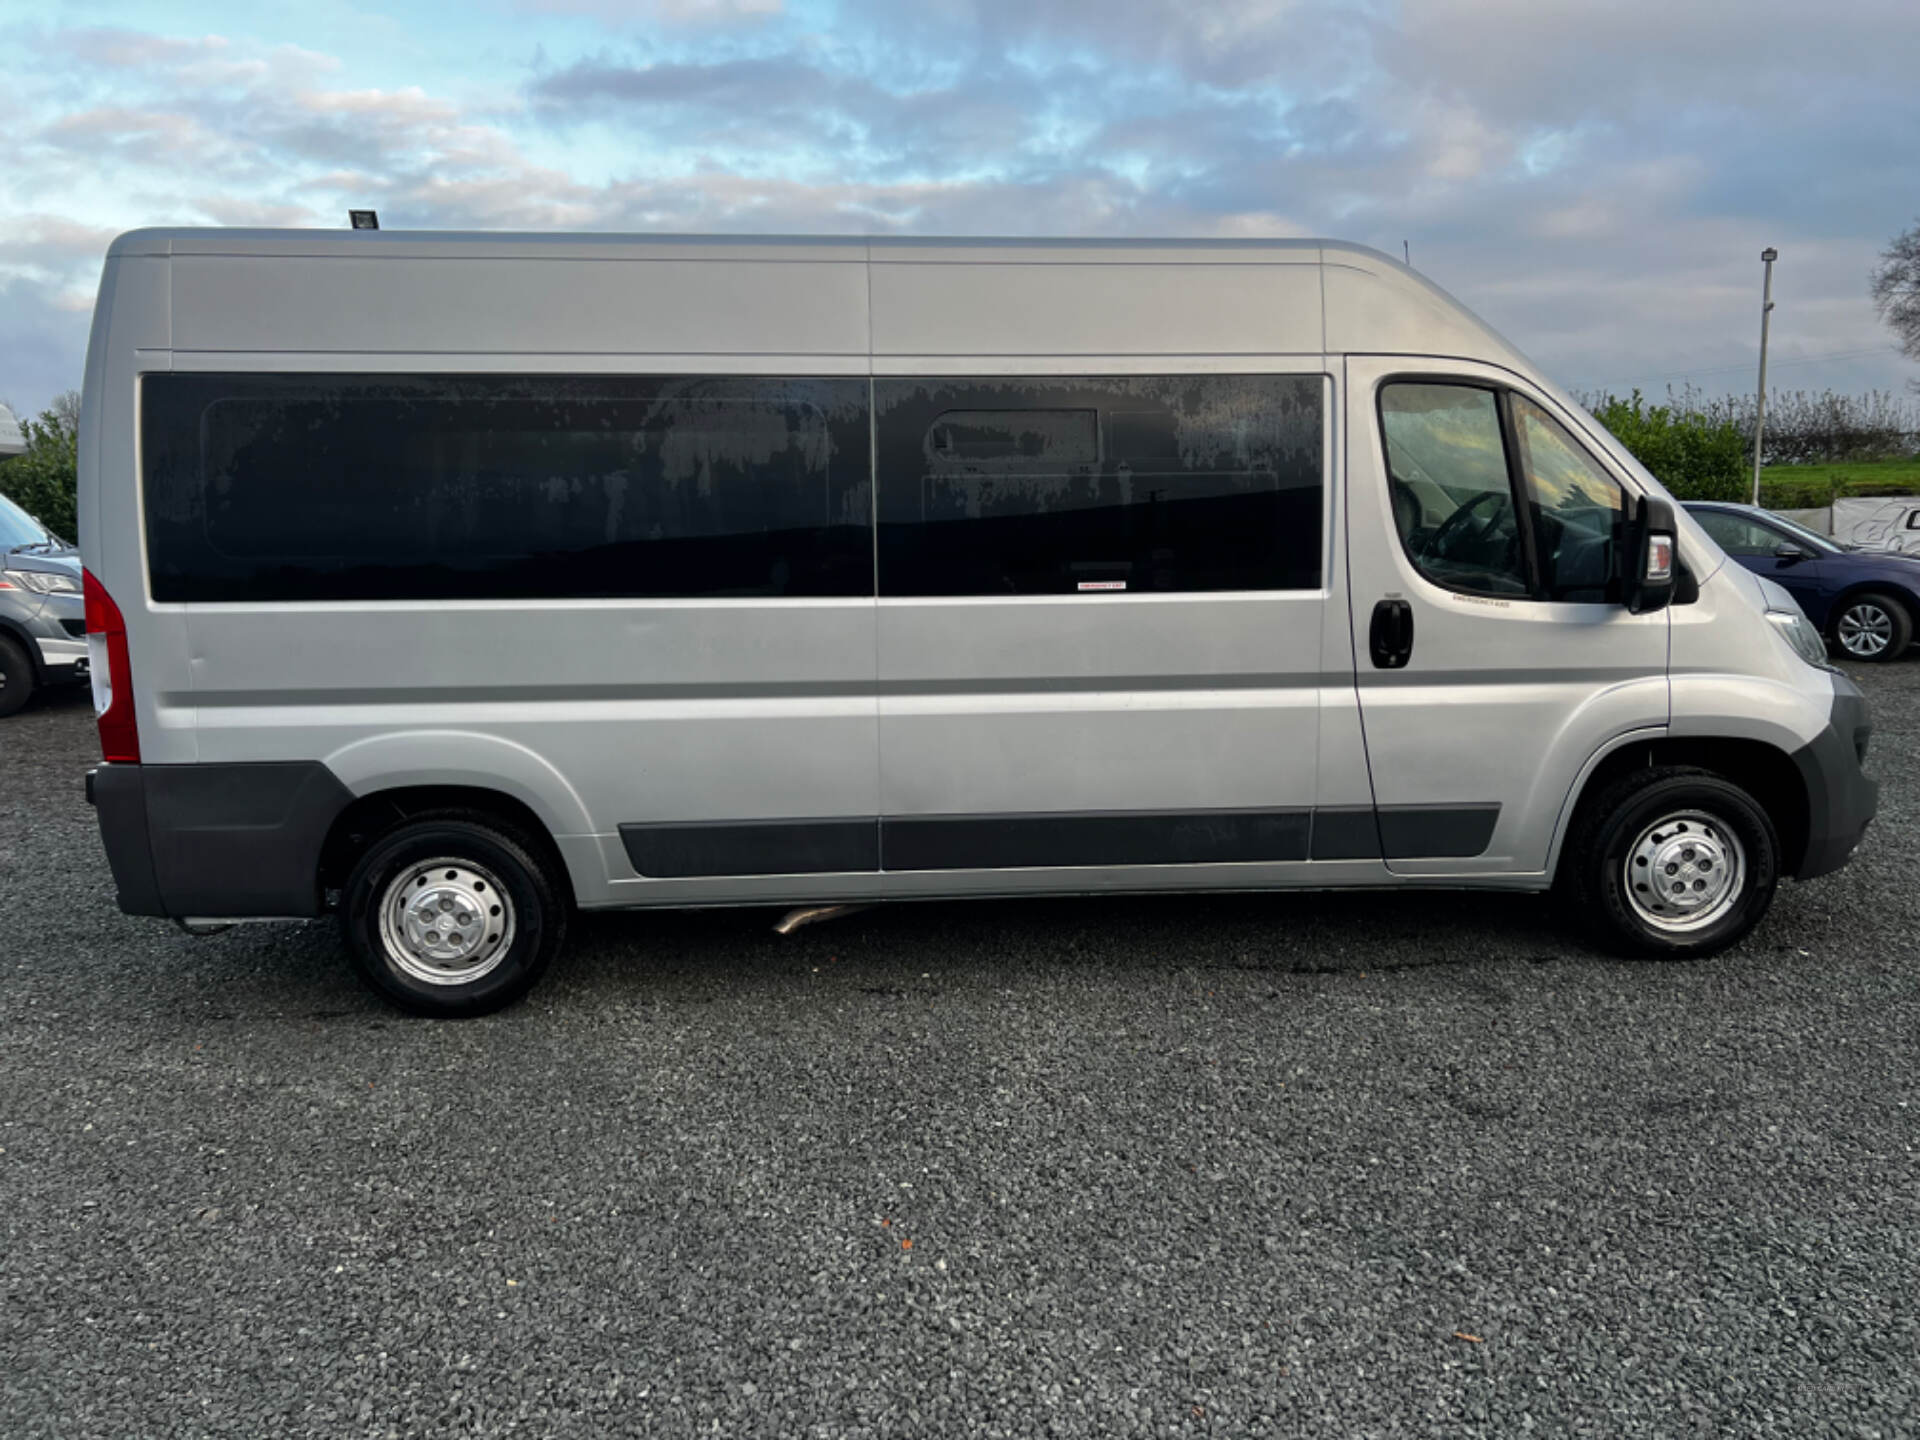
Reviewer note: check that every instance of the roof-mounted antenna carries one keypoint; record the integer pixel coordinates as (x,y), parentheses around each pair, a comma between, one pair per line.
(1406,250)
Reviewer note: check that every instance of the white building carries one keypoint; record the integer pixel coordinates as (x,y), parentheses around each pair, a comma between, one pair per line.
(12,442)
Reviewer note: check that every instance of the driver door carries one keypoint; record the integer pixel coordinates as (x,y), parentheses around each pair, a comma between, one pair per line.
(1493,659)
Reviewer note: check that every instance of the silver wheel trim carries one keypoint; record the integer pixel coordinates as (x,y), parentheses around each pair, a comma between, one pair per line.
(1684,872)
(445,921)
(1865,629)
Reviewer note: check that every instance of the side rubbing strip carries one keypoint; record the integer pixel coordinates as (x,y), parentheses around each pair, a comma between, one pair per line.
(1055,841)
(754,847)
(1001,842)
(1346,833)
(1436,832)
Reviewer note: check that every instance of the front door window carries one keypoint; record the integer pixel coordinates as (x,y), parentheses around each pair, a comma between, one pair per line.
(1452,499)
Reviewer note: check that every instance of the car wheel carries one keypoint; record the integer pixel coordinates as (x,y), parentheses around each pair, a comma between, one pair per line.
(16,676)
(453,914)
(1872,626)
(1671,862)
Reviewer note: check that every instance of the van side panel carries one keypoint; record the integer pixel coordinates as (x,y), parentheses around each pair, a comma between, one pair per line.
(1111,309)
(593,713)
(485,307)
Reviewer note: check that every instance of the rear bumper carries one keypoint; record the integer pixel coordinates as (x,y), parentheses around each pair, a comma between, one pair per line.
(237,841)
(1841,796)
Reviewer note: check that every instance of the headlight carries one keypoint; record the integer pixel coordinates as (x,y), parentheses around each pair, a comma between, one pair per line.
(46,582)
(1798,632)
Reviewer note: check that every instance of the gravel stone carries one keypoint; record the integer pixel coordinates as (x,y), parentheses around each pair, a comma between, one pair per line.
(1357,1165)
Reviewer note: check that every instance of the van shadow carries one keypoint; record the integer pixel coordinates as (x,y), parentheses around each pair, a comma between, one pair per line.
(992,943)
(615,959)
(67,696)
(300,972)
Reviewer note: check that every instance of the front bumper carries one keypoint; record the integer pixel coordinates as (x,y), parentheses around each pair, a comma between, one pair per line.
(62,657)
(217,841)
(1841,796)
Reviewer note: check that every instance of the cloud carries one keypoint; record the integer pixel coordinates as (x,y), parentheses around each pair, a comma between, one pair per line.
(672,12)
(1596,178)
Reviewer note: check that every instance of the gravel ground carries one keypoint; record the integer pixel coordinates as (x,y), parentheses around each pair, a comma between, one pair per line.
(1363,1165)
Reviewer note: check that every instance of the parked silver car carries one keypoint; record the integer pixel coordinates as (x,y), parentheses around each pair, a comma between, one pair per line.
(43,627)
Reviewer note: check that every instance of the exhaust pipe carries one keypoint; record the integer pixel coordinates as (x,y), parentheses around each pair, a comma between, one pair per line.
(812,914)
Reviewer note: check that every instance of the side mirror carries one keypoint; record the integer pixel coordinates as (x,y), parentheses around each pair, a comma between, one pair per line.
(1646,581)
(1788,551)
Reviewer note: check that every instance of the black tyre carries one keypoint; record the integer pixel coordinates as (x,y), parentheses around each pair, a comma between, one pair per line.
(453,914)
(16,676)
(1871,626)
(1671,862)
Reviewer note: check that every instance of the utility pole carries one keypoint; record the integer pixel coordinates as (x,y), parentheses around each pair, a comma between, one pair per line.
(1768,255)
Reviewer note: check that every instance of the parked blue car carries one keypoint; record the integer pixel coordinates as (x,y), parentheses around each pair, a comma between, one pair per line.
(1864,601)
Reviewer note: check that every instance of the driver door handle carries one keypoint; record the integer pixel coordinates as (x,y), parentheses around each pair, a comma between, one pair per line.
(1390,638)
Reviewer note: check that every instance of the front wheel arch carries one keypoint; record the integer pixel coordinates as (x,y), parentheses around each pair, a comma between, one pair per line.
(1764,771)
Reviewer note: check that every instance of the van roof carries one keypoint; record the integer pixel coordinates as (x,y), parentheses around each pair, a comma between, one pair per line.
(220,240)
(1369,301)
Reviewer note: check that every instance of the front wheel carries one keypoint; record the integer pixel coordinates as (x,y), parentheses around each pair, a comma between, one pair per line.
(452,914)
(1872,627)
(1672,862)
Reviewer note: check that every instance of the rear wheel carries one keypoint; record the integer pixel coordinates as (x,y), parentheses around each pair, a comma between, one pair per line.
(453,914)
(16,676)
(1672,862)
(1872,626)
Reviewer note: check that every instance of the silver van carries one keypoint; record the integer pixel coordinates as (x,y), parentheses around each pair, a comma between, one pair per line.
(451,581)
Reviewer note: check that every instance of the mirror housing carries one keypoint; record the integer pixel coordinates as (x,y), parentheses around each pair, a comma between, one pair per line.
(1787,550)
(1647,556)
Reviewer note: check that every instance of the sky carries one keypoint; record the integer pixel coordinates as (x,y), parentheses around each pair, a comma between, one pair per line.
(1597,180)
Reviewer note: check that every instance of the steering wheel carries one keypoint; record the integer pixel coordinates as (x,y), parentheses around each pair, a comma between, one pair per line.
(1444,534)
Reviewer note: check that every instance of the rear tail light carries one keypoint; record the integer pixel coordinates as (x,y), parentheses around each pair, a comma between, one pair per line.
(112,674)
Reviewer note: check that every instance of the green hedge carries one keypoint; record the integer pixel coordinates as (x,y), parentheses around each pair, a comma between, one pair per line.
(43,481)
(1695,457)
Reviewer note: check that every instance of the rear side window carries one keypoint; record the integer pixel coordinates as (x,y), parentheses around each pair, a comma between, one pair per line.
(1067,485)
(1736,534)
(1452,495)
(389,487)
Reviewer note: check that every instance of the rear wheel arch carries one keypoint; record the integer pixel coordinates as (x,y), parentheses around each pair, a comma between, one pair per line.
(361,824)
(1764,771)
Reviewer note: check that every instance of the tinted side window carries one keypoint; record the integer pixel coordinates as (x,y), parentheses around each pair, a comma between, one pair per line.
(1577,508)
(1736,534)
(1050,486)
(386,487)
(1448,480)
